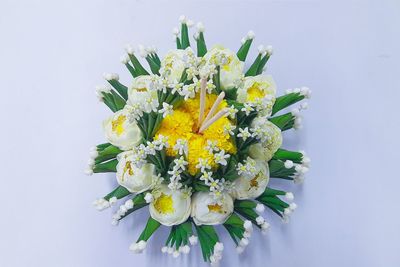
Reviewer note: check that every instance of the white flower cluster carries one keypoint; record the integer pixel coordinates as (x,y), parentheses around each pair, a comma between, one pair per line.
(288,211)
(250,36)
(301,169)
(123,209)
(244,242)
(142,151)
(217,256)
(93,154)
(305,91)
(138,247)
(185,249)
(247,168)
(298,118)
(102,204)
(175,174)
(100,90)
(261,220)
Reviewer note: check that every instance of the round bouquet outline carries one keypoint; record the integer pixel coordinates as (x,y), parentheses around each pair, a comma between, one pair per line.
(197,140)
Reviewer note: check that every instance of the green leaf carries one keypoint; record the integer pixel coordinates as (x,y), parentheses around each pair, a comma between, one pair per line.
(282,154)
(248,213)
(277,169)
(201,45)
(217,80)
(248,204)
(273,201)
(229,171)
(252,71)
(102,146)
(207,238)
(244,50)
(119,102)
(121,89)
(272,192)
(109,101)
(284,122)
(131,70)
(178,43)
(155,68)
(151,226)
(234,220)
(138,203)
(139,69)
(231,94)
(109,166)
(263,61)
(185,36)
(285,101)
(107,153)
(119,192)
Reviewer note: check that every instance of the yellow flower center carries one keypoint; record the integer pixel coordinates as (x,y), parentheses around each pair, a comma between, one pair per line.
(183,124)
(164,204)
(214,208)
(254,92)
(227,66)
(128,168)
(254,182)
(118,125)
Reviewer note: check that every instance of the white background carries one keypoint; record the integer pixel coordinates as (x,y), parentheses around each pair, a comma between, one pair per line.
(53,53)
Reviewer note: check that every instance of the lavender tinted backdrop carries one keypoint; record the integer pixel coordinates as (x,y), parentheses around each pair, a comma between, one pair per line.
(53,53)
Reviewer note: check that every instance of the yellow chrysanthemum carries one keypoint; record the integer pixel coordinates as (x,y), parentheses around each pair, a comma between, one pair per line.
(183,124)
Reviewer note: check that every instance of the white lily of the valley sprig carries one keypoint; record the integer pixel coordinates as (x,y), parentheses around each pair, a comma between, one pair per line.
(161,142)
(203,165)
(247,168)
(229,129)
(166,110)
(232,112)
(244,133)
(212,146)
(221,157)
(206,176)
(181,146)
(248,107)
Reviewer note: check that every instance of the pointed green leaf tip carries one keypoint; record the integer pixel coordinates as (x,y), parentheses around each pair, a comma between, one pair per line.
(246,44)
(201,44)
(111,98)
(151,226)
(109,166)
(118,192)
(285,101)
(184,36)
(252,71)
(137,66)
(207,238)
(284,122)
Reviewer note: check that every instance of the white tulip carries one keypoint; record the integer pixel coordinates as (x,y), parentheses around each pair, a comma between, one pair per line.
(170,207)
(136,180)
(174,63)
(265,150)
(140,90)
(231,68)
(256,87)
(122,132)
(206,210)
(252,187)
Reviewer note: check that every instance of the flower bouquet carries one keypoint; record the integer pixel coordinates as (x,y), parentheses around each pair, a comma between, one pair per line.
(196,139)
